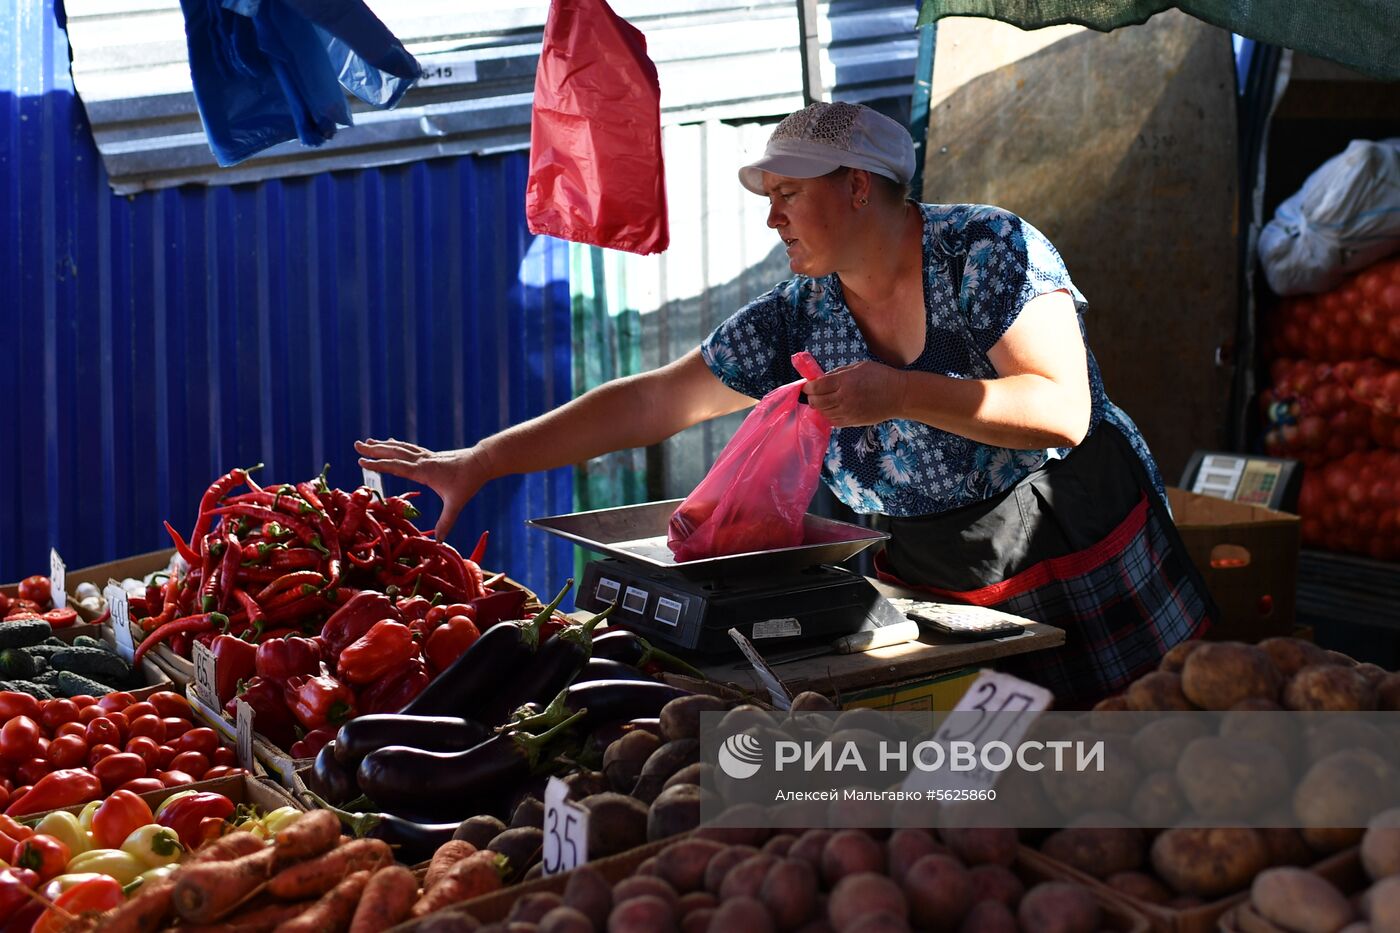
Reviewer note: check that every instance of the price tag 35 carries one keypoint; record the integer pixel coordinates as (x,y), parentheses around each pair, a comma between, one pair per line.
(373,480)
(565,830)
(120,609)
(58,579)
(206,676)
(243,745)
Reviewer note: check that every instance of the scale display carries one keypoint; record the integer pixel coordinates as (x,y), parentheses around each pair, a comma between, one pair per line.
(1269,482)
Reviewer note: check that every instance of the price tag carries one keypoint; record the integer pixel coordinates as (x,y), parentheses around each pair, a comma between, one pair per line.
(243,737)
(781,698)
(565,830)
(373,480)
(121,620)
(206,676)
(58,579)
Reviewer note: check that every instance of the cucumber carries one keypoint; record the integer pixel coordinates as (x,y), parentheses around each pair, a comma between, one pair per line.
(23,633)
(44,649)
(93,662)
(71,685)
(55,641)
(48,680)
(87,641)
(31,688)
(16,665)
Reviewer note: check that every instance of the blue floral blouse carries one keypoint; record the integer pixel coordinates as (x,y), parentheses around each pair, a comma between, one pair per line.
(981,265)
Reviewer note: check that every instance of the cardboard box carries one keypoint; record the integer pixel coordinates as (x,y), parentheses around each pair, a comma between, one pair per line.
(938,693)
(1248,556)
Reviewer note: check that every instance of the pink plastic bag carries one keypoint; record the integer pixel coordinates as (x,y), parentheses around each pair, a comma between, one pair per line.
(755,495)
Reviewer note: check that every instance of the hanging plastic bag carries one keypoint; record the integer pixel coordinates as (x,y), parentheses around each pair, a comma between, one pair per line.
(755,496)
(596,173)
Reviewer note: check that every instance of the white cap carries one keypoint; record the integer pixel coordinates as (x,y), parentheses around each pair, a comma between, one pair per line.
(822,137)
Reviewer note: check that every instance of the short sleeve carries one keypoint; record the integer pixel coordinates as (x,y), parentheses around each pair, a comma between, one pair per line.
(1008,263)
(750,352)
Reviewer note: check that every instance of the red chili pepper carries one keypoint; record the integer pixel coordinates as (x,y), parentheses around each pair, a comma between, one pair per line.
(277,501)
(449,641)
(185,815)
(391,694)
(216,491)
(191,624)
(355,512)
(281,659)
(250,606)
(184,550)
(312,743)
(63,788)
(383,649)
(228,569)
(414,607)
(294,559)
(356,617)
(271,717)
(305,532)
(14,882)
(289,582)
(234,661)
(479,551)
(499,606)
(318,702)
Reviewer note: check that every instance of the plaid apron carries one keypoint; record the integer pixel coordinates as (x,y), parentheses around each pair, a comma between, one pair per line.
(1085,544)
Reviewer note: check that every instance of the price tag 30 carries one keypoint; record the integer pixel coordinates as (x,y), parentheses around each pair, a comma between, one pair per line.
(206,676)
(243,745)
(565,830)
(373,480)
(120,609)
(58,579)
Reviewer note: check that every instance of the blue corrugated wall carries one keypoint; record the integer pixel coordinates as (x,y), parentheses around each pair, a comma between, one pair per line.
(149,343)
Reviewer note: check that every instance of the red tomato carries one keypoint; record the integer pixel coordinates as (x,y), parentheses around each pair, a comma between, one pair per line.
(88,713)
(203,740)
(142,785)
(19,738)
(174,778)
(223,755)
(149,726)
(115,702)
(115,770)
(97,752)
(192,763)
(165,755)
(72,728)
(103,730)
(148,748)
(30,771)
(83,700)
(175,727)
(137,710)
(219,771)
(169,703)
(36,589)
(13,703)
(67,751)
(57,712)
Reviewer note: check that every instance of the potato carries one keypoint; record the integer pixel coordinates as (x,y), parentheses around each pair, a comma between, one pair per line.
(1345,733)
(995,883)
(1384,903)
(790,893)
(1209,862)
(1388,692)
(989,917)
(977,846)
(850,852)
(698,921)
(720,864)
(1373,673)
(809,701)
(529,812)
(1097,852)
(1329,688)
(696,900)
(809,846)
(1337,657)
(1113,704)
(616,823)
(858,895)
(746,878)
(532,907)
(1231,779)
(676,810)
(1343,790)
(1175,658)
(939,890)
(1139,886)
(1290,655)
(1300,901)
(742,824)
(680,719)
(1380,847)
(624,759)
(1286,847)
(742,915)
(644,886)
(907,846)
(588,892)
(697,773)
(1160,690)
(662,764)
(682,864)
(521,847)
(642,915)
(1158,801)
(583,784)
(1074,793)
(565,920)
(743,717)
(480,830)
(1269,727)
(1328,839)
(1158,745)
(1219,674)
(1058,907)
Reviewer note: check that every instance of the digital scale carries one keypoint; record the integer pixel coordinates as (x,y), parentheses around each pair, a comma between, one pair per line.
(777,599)
(1270,482)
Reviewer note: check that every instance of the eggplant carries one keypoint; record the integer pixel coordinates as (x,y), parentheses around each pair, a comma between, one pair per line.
(365,734)
(329,779)
(553,668)
(471,683)
(619,644)
(605,669)
(412,842)
(422,786)
(605,701)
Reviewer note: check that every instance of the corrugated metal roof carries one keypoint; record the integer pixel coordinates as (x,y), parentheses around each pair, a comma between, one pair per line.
(716,59)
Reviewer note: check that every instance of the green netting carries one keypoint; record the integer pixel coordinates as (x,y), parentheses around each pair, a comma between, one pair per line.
(1362,34)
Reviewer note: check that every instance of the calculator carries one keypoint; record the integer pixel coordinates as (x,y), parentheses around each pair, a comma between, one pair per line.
(971,623)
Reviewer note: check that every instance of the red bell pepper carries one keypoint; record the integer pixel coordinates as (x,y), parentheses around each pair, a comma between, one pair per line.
(271,717)
(64,788)
(44,854)
(93,896)
(312,743)
(318,702)
(185,815)
(449,641)
(391,694)
(119,816)
(385,648)
(234,661)
(281,659)
(13,884)
(355,618)
(498,606)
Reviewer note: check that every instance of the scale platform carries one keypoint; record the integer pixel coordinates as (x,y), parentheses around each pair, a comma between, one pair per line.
(778,599)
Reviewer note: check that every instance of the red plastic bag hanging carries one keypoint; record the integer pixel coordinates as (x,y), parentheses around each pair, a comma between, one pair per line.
(596,174)
(755,495)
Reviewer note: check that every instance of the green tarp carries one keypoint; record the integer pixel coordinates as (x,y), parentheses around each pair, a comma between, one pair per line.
(1362,34)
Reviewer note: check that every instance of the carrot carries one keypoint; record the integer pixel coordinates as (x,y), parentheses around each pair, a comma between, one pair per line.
(209,891)
(310,835)
(477,874)
(447,855)
(332,913)
(229,847)
(388,898)
(147,910)
(318,875)
(261,919)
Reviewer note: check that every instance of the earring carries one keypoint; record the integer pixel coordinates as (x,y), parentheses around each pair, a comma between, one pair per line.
(864,201)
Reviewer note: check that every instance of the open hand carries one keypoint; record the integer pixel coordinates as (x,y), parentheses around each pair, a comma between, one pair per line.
(455,475)
(859,394)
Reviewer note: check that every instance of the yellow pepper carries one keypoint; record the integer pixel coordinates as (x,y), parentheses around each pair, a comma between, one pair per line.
(279,819)
(68,829)
(60,883)
(85,817)
(254,826)
(154,874)
(155,845)
(123,866)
